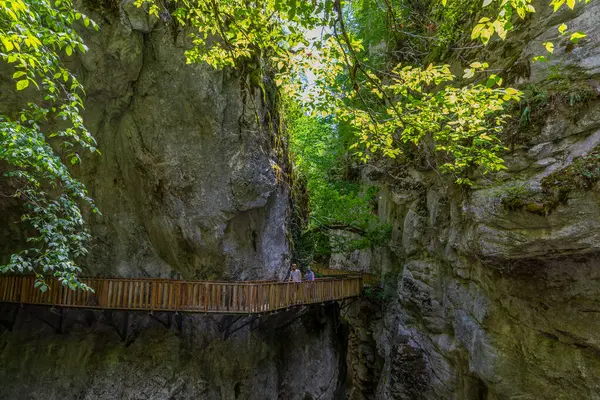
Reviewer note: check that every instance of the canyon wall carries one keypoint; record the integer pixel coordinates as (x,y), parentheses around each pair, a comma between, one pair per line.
(187,187)
(493,292)
(74,354)
(186,181)
(490,292)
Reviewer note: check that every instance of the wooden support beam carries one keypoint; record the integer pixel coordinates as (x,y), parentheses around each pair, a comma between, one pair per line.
(56,325)
(166,323)
(122,330)
(9,323)
(179,321)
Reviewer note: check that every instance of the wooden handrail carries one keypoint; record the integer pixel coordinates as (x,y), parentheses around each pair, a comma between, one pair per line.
(368,278)
(154,294)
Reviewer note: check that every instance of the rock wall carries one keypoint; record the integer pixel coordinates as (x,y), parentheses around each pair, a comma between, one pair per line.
(187,188)
(186,180)
(490,293)
(498,294)
(159,357)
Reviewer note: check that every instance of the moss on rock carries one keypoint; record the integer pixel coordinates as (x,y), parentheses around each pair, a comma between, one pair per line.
(582,174)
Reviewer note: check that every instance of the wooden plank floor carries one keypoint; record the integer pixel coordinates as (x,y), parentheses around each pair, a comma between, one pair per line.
(249,297)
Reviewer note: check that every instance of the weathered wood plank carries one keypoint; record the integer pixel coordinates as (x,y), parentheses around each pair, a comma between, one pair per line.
(173,295)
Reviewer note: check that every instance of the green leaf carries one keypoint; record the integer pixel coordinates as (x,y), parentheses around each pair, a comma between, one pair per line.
(562,28)
(499,27)
(549,47)
(486,34)
(19,74)
(493,80)
(575,37)
(557,4)
(7,44)
(571,4)
(23,84)
(477,31)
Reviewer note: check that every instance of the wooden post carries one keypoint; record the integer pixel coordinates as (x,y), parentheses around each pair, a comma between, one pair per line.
(206,288)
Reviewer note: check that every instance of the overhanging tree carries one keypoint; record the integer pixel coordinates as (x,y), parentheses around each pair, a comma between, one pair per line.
(34,36)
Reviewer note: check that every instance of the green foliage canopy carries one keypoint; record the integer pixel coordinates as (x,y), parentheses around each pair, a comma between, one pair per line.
(34,34)
(418,104)
(387,108)
(336,203)
(341,76)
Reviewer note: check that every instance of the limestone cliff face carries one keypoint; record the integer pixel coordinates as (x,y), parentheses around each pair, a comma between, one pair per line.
(187,188)
(495,292)
(185,181)
(294,355)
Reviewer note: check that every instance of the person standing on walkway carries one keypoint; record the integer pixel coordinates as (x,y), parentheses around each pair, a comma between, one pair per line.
(295,275)
(310,275)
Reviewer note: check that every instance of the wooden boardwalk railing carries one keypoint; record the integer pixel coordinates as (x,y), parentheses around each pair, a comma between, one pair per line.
(178,295)
(368,278)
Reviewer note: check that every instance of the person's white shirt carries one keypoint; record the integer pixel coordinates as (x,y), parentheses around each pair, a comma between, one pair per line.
(296,276)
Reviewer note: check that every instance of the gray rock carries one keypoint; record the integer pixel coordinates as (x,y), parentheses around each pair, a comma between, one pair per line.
(279,356)
(138,17)
(186,182)
(493,303)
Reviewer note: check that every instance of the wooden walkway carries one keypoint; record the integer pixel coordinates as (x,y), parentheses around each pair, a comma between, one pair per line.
(368,278)
(248,297)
